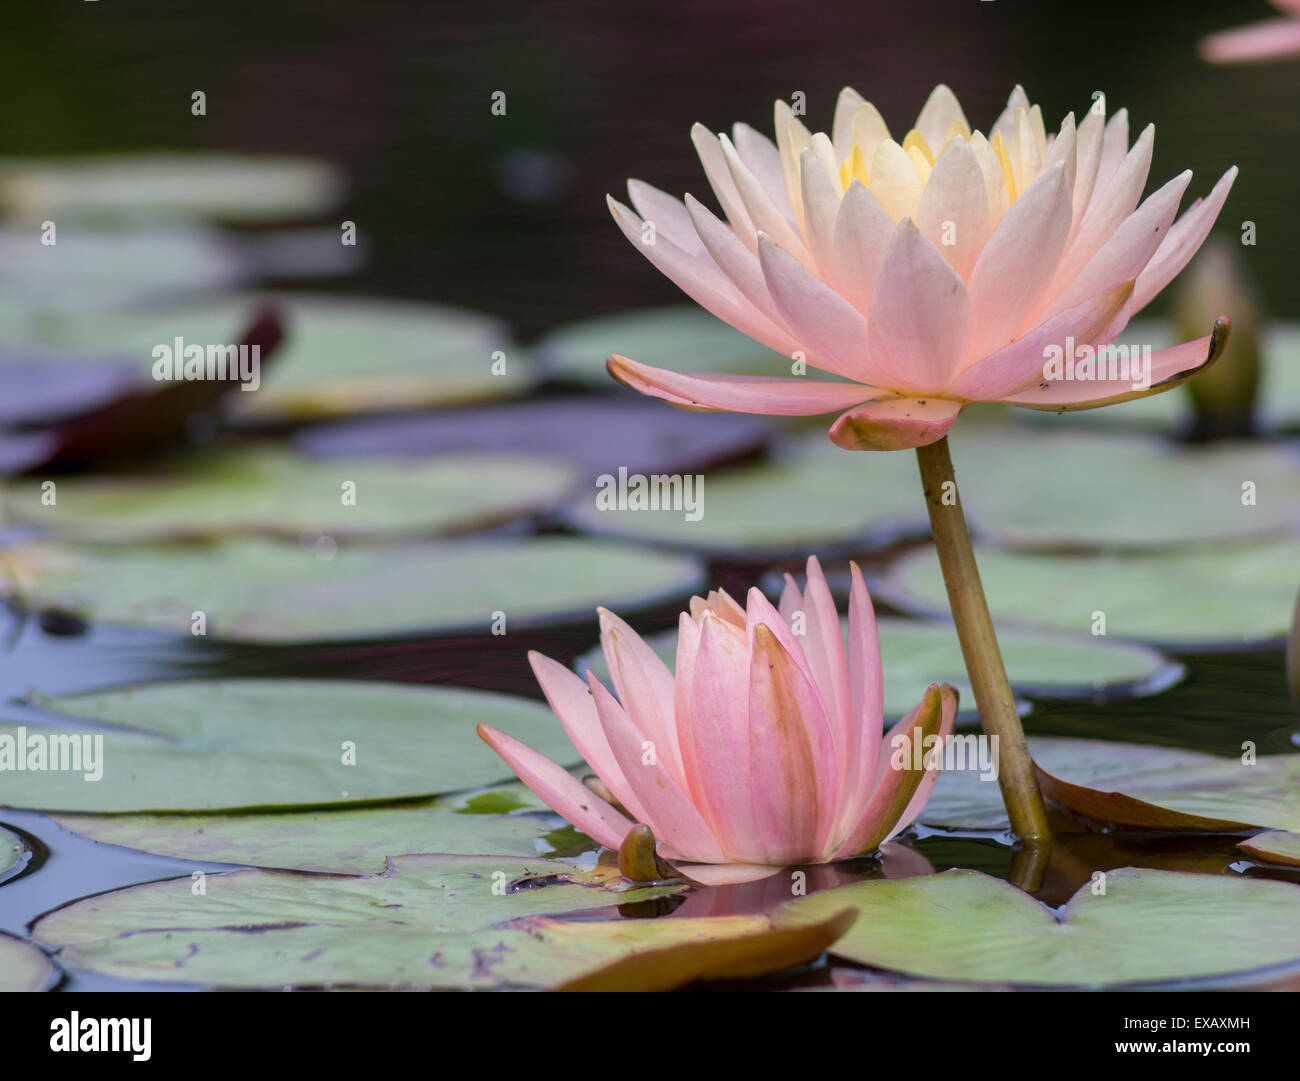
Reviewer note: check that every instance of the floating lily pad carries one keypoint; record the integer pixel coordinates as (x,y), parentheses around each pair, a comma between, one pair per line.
(198,745)
(1207,599)
(679,336)
(351,842)
(914,655)
(430,921)
(1138,786)
(272,493)
(1148,927)
(1277,846)
(23,966)
(235,188)
(1278,400)
(1084,489)
(816,497)
(267,592)
(598,435)
(90,268)
(343,354)
(14,854)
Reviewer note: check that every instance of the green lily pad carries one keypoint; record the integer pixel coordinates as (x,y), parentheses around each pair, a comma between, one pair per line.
(226,187)
(434,921)
(1278,400)
(343,354)
(1157,788)
(1276,846)
(273,493)
(914,655)
(1148,927)
(351,842)
(1076,489)
(14,854)
(199,745)
(680,336)
(267,592)
(816,497)
(1204,599)
(24,967)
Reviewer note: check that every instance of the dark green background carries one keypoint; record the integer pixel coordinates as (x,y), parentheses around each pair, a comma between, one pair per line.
(399,94)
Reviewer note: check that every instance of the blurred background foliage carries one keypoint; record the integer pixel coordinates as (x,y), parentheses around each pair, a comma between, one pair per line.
(507,214)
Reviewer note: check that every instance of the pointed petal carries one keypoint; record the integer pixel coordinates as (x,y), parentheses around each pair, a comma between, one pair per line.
(1169,368)
(1183,241)
(821,207)
(769,395)
(709,148)
(792,754)
(830,325)
(895,424)
(713,700)
(737,262)
(921,316)
(644,685)
(954,209)
(862,232)
(892,795)
(672,817)
(1273,39)
(573,705)
(701,280)
(866,702)
(1012,272)
(1115,202)
(894,180)
(1123,257)
(561,792)
(947,718)
(940,112)
(760,154)
(842,128)
(1018,365)
(668,215)
(1114,149)
(766,215)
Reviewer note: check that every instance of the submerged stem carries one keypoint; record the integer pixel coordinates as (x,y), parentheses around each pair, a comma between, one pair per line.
(979,644)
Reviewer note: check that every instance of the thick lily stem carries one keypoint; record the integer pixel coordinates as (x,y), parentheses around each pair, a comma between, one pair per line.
(979,645)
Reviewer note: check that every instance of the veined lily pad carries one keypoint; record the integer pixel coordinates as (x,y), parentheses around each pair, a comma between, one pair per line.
(1276,846)
(23,966)
(1084,489)
(267,592)
(675,336)
(1136,785)
(198,745)
(598,435)
(272,493)
(130,187)
(14,853)
(1148,927)
(343,354)
(429,921)
(818,497)
(914,655)
(1182,600)
(345,842)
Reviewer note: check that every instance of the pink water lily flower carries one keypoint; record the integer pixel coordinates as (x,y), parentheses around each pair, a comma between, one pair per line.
(764,750)
(928,273)
(1273,39)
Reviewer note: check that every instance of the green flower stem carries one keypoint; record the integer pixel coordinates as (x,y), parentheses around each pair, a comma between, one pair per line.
(979,644)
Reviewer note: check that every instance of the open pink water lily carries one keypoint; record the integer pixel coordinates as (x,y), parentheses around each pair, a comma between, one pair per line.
(1273,39)
(764,750)
(929,273)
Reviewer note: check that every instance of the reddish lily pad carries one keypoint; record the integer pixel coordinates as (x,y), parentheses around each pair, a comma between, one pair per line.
(1276,846)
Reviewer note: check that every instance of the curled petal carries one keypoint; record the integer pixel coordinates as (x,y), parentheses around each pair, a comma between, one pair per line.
(895,424)
(1170,368)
